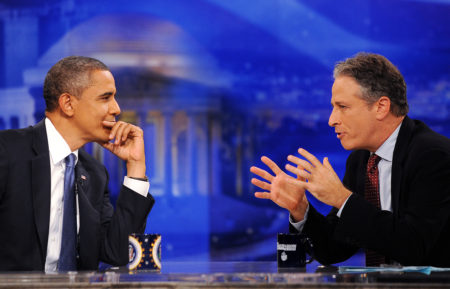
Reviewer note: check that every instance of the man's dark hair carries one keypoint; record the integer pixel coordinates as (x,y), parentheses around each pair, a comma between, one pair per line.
(69,75)
(377,77)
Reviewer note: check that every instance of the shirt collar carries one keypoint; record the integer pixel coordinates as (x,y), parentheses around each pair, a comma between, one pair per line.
(58,147)
(386,150)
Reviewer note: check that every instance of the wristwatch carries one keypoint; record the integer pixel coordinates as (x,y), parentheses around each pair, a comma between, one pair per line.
(140,179)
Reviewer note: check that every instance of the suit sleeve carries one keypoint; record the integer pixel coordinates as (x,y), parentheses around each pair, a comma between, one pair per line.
(129,217)
(330,245)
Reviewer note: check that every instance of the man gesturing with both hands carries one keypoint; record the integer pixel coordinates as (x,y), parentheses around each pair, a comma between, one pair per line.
(394,200)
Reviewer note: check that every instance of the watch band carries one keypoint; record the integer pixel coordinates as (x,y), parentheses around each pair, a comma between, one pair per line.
(140,179)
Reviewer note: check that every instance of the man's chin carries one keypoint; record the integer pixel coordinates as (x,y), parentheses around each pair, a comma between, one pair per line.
(102,139)
(353,146)
(346,145)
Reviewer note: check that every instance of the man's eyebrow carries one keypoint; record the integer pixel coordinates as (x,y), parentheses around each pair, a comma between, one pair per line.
(338,103)
(108,93)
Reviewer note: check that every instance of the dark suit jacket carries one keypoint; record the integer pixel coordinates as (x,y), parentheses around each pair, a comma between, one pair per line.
(25,206)
(417,232)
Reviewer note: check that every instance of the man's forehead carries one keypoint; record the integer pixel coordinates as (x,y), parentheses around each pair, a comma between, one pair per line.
(101,79)
(345,89)
(100,75)
(348,96)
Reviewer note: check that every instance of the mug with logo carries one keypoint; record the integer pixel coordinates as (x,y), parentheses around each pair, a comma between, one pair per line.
(144,252)
(291,251)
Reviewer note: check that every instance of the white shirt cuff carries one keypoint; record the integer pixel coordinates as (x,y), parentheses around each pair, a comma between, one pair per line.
(140,187)
(342,207)
(299,225)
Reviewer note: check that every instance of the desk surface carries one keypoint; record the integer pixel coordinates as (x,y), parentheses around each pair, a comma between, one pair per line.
(222,275)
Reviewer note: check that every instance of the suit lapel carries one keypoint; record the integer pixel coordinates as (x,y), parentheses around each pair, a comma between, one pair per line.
(40,180)
(400,154)
(361,172)
(82,177)
(89,217)
(83,180)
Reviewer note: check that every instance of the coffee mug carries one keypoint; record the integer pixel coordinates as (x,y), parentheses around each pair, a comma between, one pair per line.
(144,252)
(291,251)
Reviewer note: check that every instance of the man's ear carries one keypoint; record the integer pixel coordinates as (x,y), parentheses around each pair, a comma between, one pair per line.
(383,107)
(66,103)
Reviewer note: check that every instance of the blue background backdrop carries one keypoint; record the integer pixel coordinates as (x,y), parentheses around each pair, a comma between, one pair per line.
(217,84)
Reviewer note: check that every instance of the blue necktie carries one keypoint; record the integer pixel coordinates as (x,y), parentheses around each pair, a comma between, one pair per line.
(68,255)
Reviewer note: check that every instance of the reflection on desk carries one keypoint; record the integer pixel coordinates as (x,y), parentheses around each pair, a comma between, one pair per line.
(220,275)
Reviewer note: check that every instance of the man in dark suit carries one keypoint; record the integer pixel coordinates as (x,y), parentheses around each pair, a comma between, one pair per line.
(408,222)
(80,108)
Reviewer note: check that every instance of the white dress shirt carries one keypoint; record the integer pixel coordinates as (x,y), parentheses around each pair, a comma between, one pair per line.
(59,150)
(386,153)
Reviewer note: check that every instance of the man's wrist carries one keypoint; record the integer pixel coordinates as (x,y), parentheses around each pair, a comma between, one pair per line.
(297,216)
(136,170)
(346,193)
(298,225)
(144,179)
(299,213)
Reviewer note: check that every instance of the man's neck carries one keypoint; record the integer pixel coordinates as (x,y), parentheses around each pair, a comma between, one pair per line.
(389,126)
(66,129)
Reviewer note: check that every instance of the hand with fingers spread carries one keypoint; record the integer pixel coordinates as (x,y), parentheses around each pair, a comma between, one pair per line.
(321,180)
(284,190)
(128,144)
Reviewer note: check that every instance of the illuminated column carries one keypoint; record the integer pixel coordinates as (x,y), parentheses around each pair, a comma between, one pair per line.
(203,155)
(141,119)
(17,107)
(215,170)
(98,152)
(147,128)
(192,154)
(167,116)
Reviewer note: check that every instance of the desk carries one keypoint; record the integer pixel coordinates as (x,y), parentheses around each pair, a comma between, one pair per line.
(221,275)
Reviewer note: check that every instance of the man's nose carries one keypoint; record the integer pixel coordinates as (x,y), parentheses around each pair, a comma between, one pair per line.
(333,119)
(114,107)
